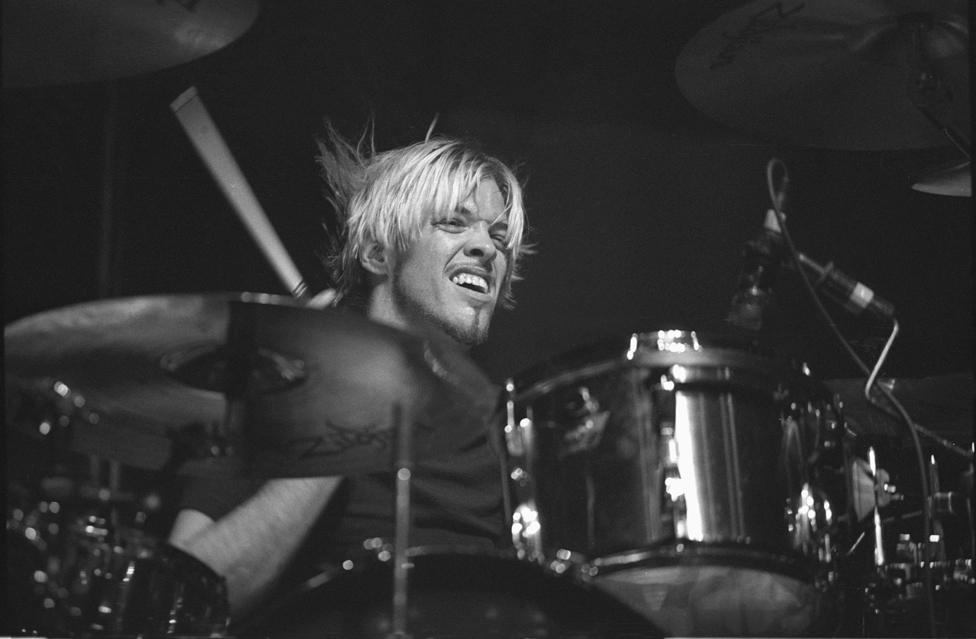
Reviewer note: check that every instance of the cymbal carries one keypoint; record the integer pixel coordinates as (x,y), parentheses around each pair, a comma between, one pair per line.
(319,393)
(55,42)
(361,382)
(940,403)
(954,181)
(829,74)
(106,355)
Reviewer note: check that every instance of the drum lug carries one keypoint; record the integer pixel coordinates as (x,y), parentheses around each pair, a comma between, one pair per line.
(513,434)
(673,499)
(527,532)
(572,563)
(809,522)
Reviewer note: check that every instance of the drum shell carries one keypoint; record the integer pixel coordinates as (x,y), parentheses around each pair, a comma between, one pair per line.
(679,474)
(598,475)
(599,469)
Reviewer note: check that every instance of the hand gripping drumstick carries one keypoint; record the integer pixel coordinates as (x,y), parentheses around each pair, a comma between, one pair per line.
(206,138)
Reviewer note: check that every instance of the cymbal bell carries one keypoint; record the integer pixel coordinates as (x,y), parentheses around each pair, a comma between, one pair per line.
(147,380)
(56,42)
(831,74)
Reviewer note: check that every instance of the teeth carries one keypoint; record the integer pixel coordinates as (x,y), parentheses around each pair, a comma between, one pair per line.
(471,280)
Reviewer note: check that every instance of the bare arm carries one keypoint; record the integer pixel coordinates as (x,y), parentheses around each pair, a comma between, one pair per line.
(252,545)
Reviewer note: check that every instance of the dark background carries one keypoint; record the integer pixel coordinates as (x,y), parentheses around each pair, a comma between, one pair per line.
(639,204)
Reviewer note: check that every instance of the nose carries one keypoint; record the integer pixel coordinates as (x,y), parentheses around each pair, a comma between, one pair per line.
(479,243)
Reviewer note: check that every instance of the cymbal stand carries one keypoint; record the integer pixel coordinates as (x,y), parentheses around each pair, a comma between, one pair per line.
(879,555)
(401,565)
(927,91)
(106,281)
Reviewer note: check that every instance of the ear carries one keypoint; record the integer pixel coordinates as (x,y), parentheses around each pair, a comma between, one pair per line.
(374,259)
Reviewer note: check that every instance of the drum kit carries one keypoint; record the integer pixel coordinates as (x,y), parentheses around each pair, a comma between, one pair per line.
(666,482)
(685,480)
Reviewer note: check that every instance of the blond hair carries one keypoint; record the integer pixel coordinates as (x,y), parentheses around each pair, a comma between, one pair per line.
(388,197)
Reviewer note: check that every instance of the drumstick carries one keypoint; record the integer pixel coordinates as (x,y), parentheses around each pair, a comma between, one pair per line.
(210,145)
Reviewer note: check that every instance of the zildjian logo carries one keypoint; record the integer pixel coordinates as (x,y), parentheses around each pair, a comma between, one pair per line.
(336,441)
(767,20)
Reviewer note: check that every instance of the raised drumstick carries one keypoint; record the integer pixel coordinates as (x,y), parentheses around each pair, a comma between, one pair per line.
(206,138)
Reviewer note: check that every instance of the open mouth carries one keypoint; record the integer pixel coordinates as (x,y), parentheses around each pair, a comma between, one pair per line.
(471,282)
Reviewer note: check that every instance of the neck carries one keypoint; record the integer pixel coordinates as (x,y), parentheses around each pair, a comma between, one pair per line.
(382,309)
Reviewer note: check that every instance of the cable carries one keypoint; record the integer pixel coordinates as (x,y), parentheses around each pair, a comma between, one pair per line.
(776,197)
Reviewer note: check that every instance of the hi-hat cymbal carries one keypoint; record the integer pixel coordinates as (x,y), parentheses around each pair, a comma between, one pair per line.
(55,42)
(955,181)
(320,392)
(832,73)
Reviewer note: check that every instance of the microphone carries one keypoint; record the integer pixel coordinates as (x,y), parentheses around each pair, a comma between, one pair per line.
(845,290)
(837,285)
(762,257)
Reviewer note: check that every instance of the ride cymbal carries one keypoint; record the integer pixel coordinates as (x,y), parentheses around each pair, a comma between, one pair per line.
(832,73)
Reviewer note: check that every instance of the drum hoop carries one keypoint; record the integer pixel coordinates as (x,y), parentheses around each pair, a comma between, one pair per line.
(729,364)
(692,554)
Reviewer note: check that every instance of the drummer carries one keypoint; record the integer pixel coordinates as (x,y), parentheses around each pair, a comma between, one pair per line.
(431,240)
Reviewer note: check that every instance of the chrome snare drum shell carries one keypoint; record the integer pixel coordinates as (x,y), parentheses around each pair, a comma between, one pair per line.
(671,458)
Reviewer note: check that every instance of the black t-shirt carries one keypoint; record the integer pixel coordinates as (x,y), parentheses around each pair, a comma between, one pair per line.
(456,500)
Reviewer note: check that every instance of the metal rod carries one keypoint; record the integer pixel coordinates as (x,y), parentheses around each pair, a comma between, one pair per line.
(401,565)
(879,558)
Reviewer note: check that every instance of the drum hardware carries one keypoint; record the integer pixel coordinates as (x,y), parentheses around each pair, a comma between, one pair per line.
(401,565)
(934,99)
(519,438)
(81,572)
(810,522)
(642,471)
(907,573)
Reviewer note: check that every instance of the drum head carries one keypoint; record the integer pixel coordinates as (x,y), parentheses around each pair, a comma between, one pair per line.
(452,594)
(720,592)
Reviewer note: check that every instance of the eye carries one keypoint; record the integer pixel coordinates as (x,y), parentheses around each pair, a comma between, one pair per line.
(500,240)
(451,223)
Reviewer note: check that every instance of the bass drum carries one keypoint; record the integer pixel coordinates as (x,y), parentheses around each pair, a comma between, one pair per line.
(453,593)
(680,469)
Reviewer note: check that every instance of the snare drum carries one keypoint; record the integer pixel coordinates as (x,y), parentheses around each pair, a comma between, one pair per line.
(453,593)
(678,468)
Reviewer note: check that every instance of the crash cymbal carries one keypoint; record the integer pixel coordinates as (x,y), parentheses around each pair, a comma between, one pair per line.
(941,403)
(95,368)
(359,382)
(55,42)
(832,73)
(139,380)
(954,181)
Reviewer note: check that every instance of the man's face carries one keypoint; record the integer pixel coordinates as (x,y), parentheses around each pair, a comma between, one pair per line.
(451,276)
